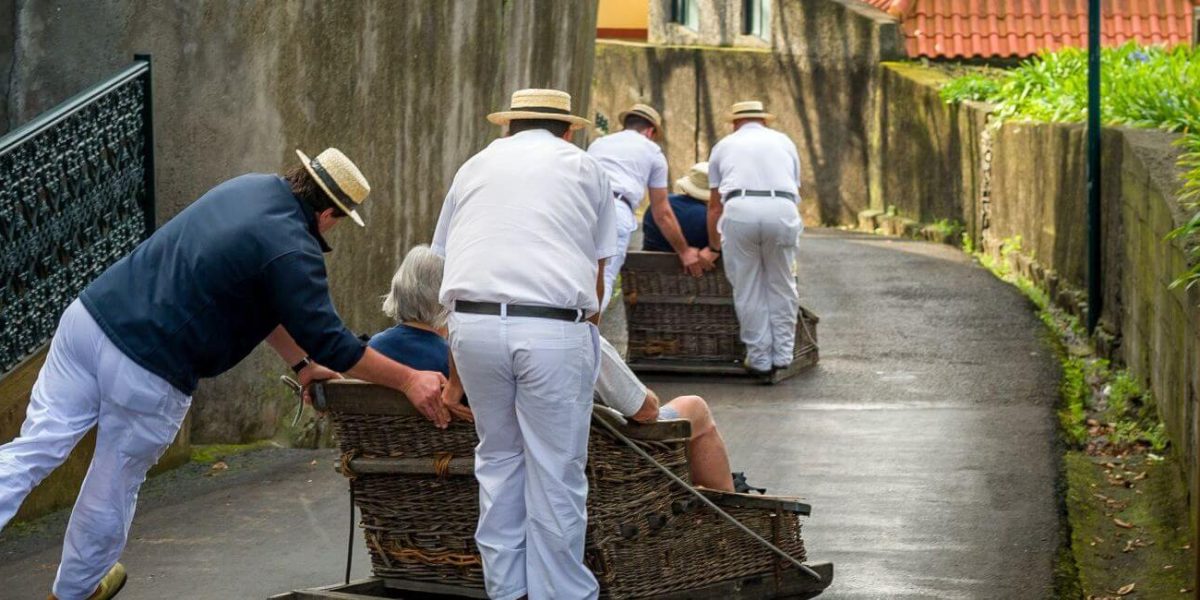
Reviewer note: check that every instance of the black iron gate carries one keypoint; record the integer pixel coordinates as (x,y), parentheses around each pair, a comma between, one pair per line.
(76,194)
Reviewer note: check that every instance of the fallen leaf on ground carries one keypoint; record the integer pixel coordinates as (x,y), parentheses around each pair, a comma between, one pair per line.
(1168,567)
(1122,524)
(1140,476)
(313,463)
(1126,589)
(220,465)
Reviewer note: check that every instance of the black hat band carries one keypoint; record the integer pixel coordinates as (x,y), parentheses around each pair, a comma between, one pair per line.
(330,184)
(542,109)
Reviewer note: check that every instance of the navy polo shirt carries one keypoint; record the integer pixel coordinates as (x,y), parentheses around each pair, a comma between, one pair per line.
(692,215)
(416,348)
(197,296)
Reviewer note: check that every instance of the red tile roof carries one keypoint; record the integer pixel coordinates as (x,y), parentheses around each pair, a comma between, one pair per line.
(1020,28)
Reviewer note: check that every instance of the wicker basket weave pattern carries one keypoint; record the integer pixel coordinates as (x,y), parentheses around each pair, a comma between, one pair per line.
(672,316)
(644,536)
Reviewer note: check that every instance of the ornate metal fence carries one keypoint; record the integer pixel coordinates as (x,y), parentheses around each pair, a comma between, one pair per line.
(76,194)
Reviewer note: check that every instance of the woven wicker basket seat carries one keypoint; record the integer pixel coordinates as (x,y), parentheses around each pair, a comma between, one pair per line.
(684,324)
(647,537)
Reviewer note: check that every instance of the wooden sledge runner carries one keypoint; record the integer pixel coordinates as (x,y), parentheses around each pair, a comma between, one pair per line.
(647,537)
(683,324)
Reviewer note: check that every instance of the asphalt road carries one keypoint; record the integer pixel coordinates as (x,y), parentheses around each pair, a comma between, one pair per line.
(924,441)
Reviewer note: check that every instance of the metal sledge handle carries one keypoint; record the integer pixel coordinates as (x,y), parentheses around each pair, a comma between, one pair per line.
(803,567)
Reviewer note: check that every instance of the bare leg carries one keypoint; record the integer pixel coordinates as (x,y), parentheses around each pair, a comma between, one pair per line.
(709,460)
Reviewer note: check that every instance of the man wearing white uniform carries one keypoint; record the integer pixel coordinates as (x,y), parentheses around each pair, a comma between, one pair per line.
(634,163)
(754,174)
(525,229)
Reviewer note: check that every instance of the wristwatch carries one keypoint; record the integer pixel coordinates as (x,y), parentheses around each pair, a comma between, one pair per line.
(304,362)
(714,250)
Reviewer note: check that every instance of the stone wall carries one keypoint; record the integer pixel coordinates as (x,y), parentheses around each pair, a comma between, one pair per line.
(1021,192)
(930,152)
(819,80)
(401,88)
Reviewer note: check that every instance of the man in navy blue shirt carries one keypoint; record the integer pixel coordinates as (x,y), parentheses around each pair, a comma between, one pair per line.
(690,205)
(242,264)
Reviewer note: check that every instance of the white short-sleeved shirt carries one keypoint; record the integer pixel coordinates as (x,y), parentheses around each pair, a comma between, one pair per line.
(633,163)
(754,158)
(525,222)
(617,386)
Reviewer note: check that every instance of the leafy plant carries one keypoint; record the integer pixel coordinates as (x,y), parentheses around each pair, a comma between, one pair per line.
(975,86)
(1141,86)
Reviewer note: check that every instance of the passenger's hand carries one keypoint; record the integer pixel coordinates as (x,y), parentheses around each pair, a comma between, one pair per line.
(452,399)
(313,373)
(709,257)
(424,390)
(648,413)
(690,258)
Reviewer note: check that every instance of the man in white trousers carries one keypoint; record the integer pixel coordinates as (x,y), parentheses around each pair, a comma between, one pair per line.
(634,164)
(525,229)
(241,264)
(754,224)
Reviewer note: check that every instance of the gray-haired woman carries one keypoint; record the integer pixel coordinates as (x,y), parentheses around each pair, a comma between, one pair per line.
(418,339)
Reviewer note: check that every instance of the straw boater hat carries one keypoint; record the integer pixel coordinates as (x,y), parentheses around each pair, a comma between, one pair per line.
(340,178)
(695,183)
(749,109)
(539,104)
(644,111)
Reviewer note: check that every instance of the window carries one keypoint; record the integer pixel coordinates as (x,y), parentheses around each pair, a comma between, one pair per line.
(756,18)
(684,12)
(1196,26)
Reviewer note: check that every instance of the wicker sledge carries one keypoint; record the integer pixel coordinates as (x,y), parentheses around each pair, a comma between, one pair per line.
(647,537)
(683,324)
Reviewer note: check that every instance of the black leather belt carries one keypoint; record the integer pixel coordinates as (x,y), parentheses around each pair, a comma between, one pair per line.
(573,315)
(760,194)
(623,199)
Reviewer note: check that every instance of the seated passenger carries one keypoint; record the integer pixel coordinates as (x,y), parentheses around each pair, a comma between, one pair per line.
(622,391)
(690,205)
(419,337)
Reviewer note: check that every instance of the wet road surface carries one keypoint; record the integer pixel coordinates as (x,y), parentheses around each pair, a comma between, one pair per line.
(924,439)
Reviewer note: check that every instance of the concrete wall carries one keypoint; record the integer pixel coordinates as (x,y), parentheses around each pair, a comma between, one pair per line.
(402,89)
(820,81)
(1027,181)
(929,151)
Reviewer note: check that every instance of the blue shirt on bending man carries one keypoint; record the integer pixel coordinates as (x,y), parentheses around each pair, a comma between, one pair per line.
(690,205)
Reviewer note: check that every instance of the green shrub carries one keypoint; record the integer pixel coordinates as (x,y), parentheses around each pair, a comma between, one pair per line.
(975,86)
(1141,86)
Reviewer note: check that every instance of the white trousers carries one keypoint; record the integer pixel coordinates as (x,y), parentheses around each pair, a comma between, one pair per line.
(86,382)
(530,383)
(626,225)
(758,247)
